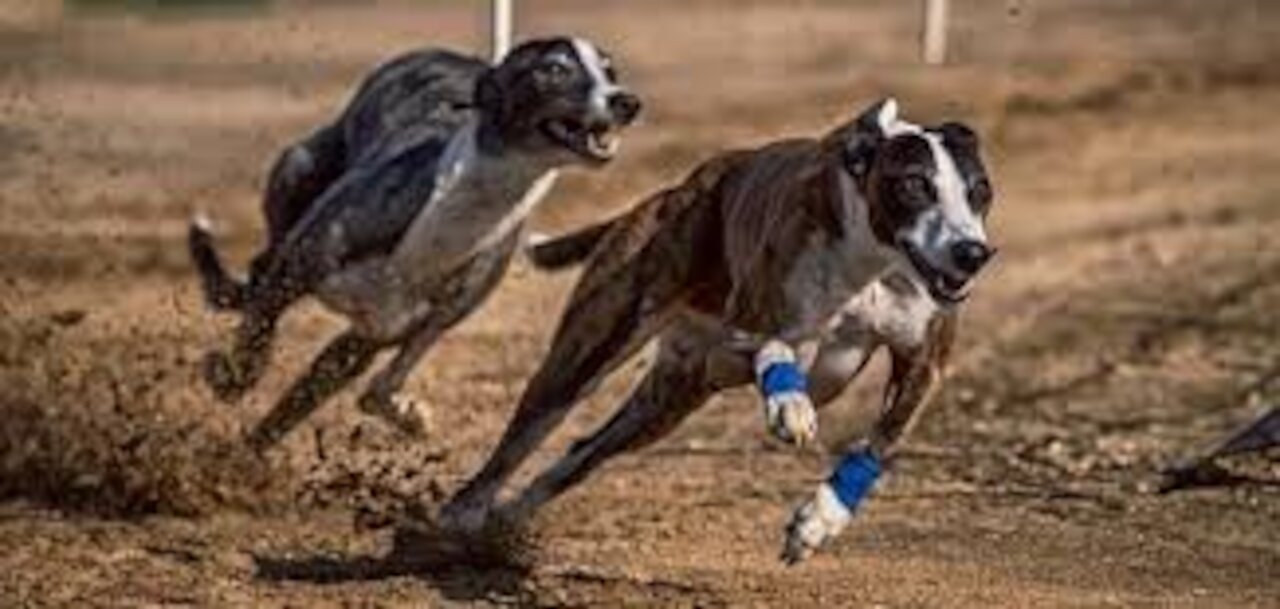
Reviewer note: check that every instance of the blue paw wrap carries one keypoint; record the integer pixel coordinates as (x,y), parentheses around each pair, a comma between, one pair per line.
(783,377)
(855,477)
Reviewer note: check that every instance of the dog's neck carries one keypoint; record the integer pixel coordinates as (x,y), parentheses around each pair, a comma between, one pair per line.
(877,260)
(868,258)
(482,193)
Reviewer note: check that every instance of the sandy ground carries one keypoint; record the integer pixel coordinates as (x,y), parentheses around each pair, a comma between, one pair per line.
(1132,317)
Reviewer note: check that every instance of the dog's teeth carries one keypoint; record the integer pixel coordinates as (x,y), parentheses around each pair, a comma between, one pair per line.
(610,144)
(604,143)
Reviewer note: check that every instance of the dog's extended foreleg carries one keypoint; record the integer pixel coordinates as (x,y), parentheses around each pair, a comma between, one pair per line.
(914,376)
(784,387)
(383,399)
(342,360)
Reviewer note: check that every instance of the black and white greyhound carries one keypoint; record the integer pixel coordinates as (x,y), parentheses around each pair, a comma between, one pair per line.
(403,213)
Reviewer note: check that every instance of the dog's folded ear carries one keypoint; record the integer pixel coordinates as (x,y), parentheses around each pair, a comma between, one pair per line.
(960,134)
(865,136)
(491,97)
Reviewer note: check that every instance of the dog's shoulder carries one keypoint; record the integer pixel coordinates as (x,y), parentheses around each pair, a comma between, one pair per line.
(777,206)
(372,205)
(423,92)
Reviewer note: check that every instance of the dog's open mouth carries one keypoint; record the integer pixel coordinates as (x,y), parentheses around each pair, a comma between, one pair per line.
(597,141)
(943,286)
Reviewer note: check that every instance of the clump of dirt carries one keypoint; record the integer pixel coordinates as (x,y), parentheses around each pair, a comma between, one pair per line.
(118,427)
(381,478)
(97,435)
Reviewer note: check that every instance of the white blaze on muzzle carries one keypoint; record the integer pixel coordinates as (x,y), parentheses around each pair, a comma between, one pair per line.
(938,230)
(602,87)
(952,220)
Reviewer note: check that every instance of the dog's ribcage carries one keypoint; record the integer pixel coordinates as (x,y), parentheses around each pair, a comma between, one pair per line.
(477,202)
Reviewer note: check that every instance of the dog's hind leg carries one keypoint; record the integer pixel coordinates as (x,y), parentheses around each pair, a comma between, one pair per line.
(342,360)
(300,174)
(220,290)
(915,373)
(680,382)
(647,266)
(578,362)
(598,333)
(232,374)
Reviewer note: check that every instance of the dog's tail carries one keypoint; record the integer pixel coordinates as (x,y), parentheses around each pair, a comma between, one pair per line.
(556,253)
(221,290)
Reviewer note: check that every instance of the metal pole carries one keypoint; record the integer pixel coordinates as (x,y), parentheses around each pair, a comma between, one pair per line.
(933,41)
(501,24)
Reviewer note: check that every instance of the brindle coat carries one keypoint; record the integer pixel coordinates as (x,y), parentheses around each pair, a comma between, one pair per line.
(774,243)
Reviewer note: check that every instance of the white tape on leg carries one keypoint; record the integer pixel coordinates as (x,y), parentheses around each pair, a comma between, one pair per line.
(789,413)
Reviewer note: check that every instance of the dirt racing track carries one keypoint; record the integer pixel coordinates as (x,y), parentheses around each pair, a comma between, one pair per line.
(1131,318)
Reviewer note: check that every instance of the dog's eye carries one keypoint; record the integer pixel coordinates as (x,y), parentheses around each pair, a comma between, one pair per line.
(610,71)
(980,196)
(916,190)
(555,72)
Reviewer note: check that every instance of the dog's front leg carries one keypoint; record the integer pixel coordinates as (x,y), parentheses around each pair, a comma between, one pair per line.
(915,374)
(783,382)
(383,397)
(342,361)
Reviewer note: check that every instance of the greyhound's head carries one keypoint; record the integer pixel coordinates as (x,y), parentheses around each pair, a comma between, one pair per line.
(927,196)
(557,96)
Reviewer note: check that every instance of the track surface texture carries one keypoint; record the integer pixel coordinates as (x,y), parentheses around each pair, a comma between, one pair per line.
(1132,317)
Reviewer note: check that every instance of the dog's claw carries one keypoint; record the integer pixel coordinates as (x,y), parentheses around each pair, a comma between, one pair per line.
(793,419)
(813,524)
(406,414)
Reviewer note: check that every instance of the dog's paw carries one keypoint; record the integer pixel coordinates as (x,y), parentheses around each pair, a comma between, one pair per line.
(465,517)
(223,378)
(402,411)
(792,418)
(813,524)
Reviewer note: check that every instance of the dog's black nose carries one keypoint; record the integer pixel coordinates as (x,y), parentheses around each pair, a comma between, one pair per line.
(970,255)
(624,107)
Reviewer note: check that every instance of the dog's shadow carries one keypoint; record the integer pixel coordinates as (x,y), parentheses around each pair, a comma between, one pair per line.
(494,566)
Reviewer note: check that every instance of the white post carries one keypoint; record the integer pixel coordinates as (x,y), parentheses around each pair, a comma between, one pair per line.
(933,40)
(501,24)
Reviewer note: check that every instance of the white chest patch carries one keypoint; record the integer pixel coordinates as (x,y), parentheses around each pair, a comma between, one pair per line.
(477,201)
(899,315)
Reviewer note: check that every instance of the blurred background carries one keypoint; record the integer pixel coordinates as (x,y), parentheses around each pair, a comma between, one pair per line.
(1131,318)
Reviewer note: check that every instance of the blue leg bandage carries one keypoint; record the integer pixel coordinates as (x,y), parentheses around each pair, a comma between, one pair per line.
(783,377)
(854,478)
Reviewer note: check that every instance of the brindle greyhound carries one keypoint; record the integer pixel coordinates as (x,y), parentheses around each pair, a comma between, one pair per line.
(402,215)
(787,266)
